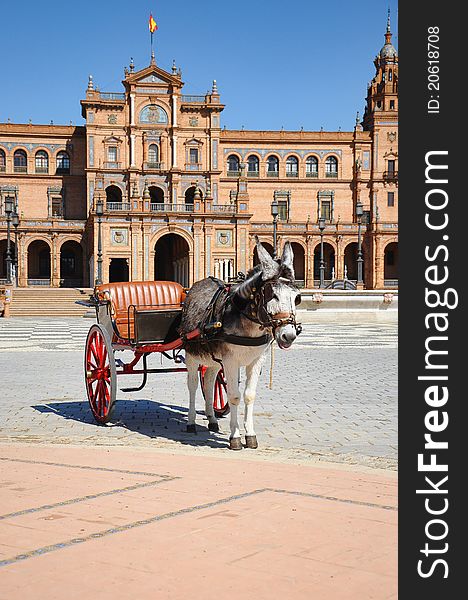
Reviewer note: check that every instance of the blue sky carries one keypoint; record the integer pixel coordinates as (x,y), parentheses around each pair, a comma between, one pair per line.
(302,63)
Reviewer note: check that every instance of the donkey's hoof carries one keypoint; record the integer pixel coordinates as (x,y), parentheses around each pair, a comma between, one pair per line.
(251,441)
(192,428)
(235,443)
(213,427)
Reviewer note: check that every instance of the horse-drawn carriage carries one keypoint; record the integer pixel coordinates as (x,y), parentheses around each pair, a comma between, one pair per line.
(142,317)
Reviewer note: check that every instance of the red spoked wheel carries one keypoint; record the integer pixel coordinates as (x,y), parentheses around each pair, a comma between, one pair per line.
(100,374)
(220,401)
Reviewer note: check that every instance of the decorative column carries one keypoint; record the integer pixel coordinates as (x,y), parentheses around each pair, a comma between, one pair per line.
(55,262)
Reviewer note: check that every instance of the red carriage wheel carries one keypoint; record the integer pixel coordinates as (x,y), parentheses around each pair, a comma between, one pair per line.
(100,374)
(220,401)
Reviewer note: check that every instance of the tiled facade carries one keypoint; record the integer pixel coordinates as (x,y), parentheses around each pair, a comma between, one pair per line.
(184,197)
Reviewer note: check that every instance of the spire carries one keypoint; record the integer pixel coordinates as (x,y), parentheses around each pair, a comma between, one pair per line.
(388,51)
(153,61)
(388,33)
(214,89)
(174,67)
(90,83)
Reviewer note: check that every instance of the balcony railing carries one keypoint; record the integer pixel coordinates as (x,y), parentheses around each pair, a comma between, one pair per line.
(198,99)
(233,173)
(2,168)
(118,205)
(192,166)
(331,174)
(253,174)
(390,175)
(272,174)
(112,96)
(311,173)
(292,174)
(391,283)
(112,165)
(153,166)
(42,169)
(45,282)
(228,208)
(20,169)
(172,207)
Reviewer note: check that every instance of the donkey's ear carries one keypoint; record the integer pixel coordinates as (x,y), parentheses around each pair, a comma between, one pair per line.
(287,260)
(270,267)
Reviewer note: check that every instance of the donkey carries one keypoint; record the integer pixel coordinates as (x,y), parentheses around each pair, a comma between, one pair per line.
(250,315)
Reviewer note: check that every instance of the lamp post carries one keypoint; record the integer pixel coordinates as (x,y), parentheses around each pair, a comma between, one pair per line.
(359,213)
(99,213)
(15,220)
(321,225)
(8,211)
(274,214)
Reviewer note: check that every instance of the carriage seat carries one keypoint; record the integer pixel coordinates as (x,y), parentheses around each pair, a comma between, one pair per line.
(144,295)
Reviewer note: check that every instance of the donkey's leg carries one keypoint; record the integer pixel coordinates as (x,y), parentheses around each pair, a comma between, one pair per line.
(231,373)
(252,374)
(209,383)
(192,383)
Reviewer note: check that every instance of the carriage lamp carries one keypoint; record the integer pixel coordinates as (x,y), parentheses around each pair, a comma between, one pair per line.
(8,211)
(15,220)
(359,213)
(99,213)
(99,207)
(321,226)
(274,214)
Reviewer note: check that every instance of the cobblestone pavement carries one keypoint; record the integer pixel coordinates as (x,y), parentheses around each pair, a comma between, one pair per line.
(334,396)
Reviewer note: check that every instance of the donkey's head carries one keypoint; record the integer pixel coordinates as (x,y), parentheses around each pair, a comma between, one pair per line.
(275,295)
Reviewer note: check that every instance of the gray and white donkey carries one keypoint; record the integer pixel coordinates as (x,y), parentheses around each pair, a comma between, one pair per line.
(256,311)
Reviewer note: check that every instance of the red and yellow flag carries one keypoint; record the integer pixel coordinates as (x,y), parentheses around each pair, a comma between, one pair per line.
(152,24)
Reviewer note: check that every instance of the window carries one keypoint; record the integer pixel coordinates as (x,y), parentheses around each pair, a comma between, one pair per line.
(252,166)
(392,104)
(233,165)
(391,166)
(292,167)
(2,161)
(311,167)
(325,209)
(331,167)
(283,210)
(63,163)
(112,154)
(390,75)
(57,206)
(42,162)
(193,156)
(272,166)
(20,162)
(390,198)
(153,154)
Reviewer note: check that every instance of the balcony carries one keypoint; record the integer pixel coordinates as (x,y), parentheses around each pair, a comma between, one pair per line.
(312,174)
(193,166)
(2,168)
(223,208)
(272,174)
(120,206)
(331,174)
(172,207)
(42,170)
(111,96)
(20,169)
(112,165)
(196,99)
(292,173)
(233,173)
(153,166)
(253,174)
(390,175)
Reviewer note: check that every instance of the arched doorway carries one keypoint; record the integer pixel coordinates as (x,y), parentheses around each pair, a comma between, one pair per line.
(391,265)
(171,259)
(113,197)
(71,264)
(118,270)
(328,261)
(268,247)
(156,194)
(3,257)
(38,263)
(189,195)
(299,263)
(350,261)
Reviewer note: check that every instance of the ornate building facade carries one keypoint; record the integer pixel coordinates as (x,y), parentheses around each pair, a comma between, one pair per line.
(184,197)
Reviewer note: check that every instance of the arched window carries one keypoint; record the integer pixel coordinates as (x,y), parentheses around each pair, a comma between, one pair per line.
(292,167)
(311,167)
(153,155)
(63,162)
(42,162)
(2,161)
(390,75)
(272,166)
(233,165)
(113,197)
(331,167)
(20,161)
(252,166)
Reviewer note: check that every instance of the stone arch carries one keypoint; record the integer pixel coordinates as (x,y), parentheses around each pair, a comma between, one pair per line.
(157,194)
(71,263)
(39,255)
(391,260)
(299,261)
(329,254)
(190,192)
(113,194)
(350,256)
(172,258)
(3,256)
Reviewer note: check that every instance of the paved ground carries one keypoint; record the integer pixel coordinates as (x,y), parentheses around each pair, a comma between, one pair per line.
(118,523)
(334,396)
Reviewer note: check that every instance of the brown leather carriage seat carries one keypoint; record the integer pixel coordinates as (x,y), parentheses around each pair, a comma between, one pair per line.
(147,295)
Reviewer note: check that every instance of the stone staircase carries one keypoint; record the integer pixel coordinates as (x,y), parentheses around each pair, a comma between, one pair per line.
(49,302)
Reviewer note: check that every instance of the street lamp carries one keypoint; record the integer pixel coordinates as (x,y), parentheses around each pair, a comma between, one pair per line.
(321,226)
(8,211)
(99,213)
(274,214)
(15,220)
(359,213)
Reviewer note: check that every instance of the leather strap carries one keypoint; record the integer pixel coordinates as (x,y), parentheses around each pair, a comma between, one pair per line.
(240,340)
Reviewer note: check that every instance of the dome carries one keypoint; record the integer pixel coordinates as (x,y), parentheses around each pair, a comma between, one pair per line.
(388,51)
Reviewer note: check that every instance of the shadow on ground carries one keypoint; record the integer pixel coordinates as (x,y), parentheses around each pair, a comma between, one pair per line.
(146,417)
